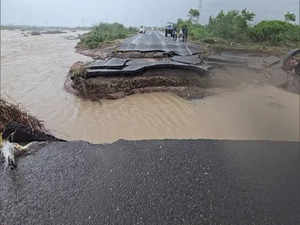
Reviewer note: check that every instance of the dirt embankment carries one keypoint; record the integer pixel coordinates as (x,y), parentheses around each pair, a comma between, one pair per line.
(186,84)
(10,112)
(18,126)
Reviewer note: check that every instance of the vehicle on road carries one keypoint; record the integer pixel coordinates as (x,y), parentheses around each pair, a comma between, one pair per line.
(169,30)
(142,30)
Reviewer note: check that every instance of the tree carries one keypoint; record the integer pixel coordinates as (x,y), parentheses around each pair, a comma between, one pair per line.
(290,17)
(232,25)
(194,15)
(248,15)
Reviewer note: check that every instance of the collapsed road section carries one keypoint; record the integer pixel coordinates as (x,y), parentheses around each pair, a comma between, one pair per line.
(115,78)
(152,63)
(141,64)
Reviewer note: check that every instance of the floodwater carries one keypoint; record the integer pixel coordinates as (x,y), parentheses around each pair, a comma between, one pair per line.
(34,69)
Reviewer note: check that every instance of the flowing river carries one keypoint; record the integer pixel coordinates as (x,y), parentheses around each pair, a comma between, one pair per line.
(33,72)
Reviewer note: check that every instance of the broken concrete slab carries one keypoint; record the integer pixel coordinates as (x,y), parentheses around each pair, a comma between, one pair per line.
(193,59)
(136,67)
(271,60)
(226,59)
(113,63)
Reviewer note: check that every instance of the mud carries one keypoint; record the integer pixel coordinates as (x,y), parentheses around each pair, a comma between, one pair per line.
(189,86)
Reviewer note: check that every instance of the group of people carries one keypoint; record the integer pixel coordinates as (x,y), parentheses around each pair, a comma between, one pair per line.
(181,34)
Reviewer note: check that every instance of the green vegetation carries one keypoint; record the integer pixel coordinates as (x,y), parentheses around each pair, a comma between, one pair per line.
(194,15)
(290,17)
(105,32)
(232,25)
(275,32)
(236,27)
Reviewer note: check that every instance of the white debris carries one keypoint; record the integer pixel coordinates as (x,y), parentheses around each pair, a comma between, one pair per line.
(8,153)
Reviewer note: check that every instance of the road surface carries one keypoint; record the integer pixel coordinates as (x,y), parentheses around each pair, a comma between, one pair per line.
(155,41)
(155,182)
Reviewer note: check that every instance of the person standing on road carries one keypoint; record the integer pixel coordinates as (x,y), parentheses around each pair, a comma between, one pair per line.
(175,33)
(185,33)
(181,34)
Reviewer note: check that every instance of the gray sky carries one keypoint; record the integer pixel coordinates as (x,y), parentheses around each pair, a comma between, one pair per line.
(129,12)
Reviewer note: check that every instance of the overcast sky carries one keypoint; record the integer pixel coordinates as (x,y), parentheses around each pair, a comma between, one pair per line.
(129,12)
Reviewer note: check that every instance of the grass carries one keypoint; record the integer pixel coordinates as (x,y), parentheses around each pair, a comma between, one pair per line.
(219,45)
(104,33)
(11,112)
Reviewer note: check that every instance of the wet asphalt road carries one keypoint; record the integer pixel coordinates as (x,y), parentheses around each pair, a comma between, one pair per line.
(155,182)
(155,41)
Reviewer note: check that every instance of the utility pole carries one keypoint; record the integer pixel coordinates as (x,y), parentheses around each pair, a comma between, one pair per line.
(200,9)
(299,13)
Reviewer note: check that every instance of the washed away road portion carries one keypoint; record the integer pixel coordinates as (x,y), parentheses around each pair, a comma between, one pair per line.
(155,182)
(155,41)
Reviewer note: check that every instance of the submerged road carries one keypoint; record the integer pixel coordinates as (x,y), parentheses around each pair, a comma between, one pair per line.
(155,41)
(155,182)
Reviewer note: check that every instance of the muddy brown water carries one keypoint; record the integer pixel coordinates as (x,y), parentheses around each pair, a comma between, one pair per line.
(34,69)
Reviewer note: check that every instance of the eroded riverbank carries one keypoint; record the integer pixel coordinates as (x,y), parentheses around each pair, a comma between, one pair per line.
(34,71)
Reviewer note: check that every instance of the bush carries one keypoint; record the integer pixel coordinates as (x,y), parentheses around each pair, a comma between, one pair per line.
(105,32)
(199,32)
(196,31)
(232,25)
(275,32)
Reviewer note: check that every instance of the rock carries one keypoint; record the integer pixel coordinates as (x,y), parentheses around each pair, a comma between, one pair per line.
(35,33)
(271,60)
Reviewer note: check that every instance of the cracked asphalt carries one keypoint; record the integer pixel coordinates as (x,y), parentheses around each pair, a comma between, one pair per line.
(155,41)
(178,182)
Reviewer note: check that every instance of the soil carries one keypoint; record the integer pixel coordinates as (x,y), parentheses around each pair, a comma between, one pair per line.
(186,84)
